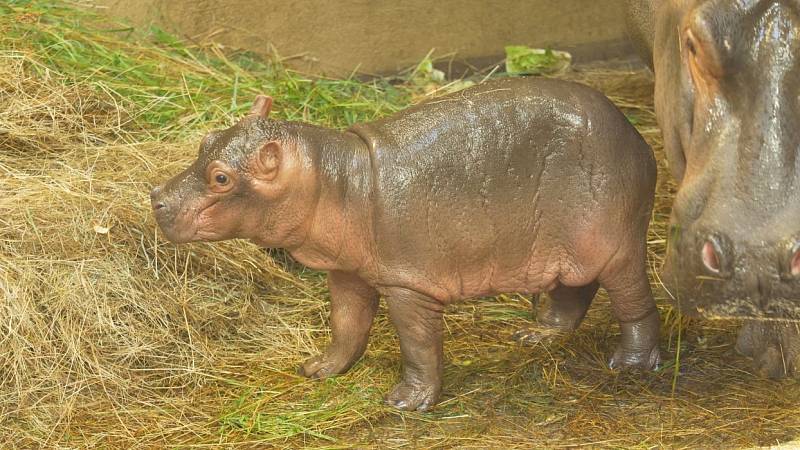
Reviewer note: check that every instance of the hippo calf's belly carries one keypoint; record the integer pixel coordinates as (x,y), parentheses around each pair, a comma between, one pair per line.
(537,274)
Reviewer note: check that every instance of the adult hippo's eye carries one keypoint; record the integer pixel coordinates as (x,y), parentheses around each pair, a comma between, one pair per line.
(702,55)
(222,179)
(690,45)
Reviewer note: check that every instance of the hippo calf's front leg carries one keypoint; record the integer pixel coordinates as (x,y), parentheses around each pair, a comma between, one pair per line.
(418,320)
(353,307)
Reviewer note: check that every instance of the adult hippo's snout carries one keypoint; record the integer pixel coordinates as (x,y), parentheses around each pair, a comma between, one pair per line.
(779,263)
(734,241)
(711,274)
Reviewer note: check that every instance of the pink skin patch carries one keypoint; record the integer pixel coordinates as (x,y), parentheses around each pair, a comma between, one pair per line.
(796,264)
(710,257)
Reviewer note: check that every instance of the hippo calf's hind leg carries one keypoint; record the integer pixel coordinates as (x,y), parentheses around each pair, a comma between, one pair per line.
(353,307)
(419,323)
(774,347)
(625,280)
(564,311)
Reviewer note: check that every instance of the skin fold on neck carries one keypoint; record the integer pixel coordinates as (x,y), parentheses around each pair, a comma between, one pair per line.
(338,232)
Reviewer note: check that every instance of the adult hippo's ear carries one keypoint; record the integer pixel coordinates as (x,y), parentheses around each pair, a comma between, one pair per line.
(262,106)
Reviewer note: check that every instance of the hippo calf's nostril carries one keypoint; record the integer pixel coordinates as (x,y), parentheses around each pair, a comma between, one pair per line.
(154,193)
(157,204)
(711,257)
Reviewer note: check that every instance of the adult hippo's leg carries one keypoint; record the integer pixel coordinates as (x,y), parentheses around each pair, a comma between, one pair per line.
(774,347)
(419,323)
(353,307)
(563,311)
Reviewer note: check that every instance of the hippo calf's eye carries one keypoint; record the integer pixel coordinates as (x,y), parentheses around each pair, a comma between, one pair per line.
(220,177)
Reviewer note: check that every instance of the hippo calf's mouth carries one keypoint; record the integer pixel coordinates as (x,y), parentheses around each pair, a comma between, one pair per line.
(183,223)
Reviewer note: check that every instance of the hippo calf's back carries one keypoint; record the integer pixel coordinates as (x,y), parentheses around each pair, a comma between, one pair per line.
(496,188)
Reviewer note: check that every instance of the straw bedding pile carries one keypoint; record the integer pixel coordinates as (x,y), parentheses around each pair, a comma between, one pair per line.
(111,337)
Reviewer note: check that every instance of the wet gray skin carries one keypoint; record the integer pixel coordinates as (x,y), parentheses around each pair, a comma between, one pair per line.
(726,96)
(527,185)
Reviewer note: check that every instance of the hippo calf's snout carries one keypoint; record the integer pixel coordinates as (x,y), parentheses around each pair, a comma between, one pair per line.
(176,206)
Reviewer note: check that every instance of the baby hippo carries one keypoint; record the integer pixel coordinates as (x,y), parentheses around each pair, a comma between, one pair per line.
(520,185)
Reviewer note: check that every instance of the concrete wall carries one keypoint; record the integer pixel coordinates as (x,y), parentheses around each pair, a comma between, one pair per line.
(380,36)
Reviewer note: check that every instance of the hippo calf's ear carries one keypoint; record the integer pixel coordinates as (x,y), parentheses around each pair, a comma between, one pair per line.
(262,106)
(267,161)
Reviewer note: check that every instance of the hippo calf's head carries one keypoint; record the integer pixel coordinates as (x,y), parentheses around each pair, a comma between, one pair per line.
(247,182)
(730,112)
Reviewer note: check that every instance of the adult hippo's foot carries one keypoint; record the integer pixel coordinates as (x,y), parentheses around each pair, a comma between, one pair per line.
(774,347)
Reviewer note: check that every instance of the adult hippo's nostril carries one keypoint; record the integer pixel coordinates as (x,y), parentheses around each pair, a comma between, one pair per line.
(791,270)
(790,263)
(712,255)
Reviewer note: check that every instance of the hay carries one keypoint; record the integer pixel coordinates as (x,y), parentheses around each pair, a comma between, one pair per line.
(110,337)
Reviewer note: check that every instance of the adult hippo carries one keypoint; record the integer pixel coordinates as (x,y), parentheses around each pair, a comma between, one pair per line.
(727,82)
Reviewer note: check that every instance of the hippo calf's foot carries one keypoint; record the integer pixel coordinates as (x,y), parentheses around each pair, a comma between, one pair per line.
(774,347)
(419,322)
(625,280)
(353,308)
(563,312)
(639,348)
(414,396)
(644,360)
(326,365)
